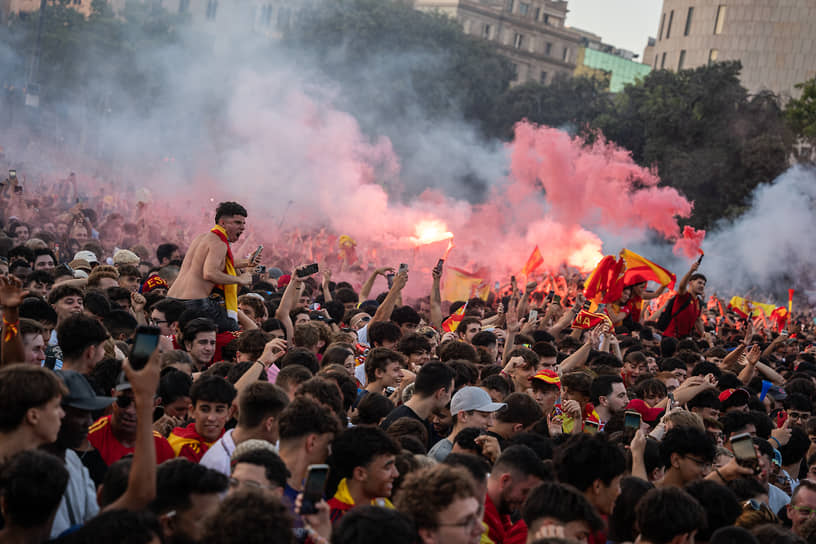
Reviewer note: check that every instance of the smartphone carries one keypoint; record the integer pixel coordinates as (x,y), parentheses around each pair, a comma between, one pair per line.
(591,427)
(556,299)
(532,316)
(256,253)
(587,305)
(496,286)
(12,174)
(307,270)
(631,420)
(315,306)
(314,488)
(440,263)
(512,279)
(144,344)
(403,268)
(18,188)
(550,295)
(743,447)
(390,279)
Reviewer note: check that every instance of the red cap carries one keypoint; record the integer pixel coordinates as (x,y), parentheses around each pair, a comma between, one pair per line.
(647,413)
(284,280)
(735,401)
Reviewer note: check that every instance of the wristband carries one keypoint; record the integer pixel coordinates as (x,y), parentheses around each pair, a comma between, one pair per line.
(719,475)
(778,445)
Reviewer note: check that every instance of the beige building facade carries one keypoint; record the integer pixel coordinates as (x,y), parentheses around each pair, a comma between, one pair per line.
(531,33)
(774,40)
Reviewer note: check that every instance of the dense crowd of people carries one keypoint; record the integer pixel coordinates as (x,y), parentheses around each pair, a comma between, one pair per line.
(288,407)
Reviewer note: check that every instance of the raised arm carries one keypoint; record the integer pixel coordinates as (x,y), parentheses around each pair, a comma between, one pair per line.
(682,288)
(365,290)
(287,303)
(436,299)
(11,296)
(141,487)
(394,295)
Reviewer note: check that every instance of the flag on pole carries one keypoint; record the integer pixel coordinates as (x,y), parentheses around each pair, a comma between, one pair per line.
(451,323)
(639,269)
(533,262)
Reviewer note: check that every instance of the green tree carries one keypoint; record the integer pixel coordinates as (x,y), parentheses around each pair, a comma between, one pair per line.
(399,58)
(801,112)
(574,101)
(705,135)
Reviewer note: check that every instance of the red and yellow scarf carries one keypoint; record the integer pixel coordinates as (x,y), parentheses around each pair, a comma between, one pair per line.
(230,290)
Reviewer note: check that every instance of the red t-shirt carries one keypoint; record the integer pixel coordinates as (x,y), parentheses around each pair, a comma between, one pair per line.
(100,435)
(683,324)
(187,443)
(634,306)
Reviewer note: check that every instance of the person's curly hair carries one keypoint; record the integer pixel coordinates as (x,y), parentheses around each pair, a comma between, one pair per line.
(250,517)
(427,492)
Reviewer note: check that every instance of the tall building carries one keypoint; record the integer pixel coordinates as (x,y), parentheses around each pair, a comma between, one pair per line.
(772,38)
(616,67)
(531,33)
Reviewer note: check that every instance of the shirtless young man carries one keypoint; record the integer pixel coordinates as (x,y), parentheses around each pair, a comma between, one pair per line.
(203,283)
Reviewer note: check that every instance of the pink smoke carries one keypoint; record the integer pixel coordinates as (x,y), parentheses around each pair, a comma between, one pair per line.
(690,244)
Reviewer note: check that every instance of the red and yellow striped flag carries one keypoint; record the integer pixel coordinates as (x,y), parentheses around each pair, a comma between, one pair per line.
(451,323)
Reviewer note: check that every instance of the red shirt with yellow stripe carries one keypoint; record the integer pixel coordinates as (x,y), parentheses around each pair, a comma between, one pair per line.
(100,435)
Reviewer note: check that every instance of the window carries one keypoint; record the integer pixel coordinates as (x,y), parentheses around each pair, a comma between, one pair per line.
(655,64)
(543,79)
(682,60)
(688,21)
(486,32)
(518,40)
(718,24)
(523,9)
(510,5)
(546,19)
(184,6)
(662,24)
(668,28)
(537,13)
(212,7)
(663,61)
(548,49)
(565,55)
(713,55)
(515,71)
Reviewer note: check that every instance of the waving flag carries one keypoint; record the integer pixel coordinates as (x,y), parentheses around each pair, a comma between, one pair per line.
(533,262)
(452,323)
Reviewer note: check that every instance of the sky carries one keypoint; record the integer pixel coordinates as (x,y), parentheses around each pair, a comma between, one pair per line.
(626,24)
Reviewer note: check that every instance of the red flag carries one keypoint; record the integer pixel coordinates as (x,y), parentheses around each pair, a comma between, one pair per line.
(451,323)
(533,262)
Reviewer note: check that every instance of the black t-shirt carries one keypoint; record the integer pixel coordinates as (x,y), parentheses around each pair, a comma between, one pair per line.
(94,463)
(405,411)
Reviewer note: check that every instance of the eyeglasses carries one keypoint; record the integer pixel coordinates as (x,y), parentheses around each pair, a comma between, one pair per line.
(804,510)
(123,401)
(252,484)
(699,462)
(158,321)
(799,415)
(471,521)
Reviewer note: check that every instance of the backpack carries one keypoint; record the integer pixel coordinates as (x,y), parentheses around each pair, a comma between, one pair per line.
(667,316)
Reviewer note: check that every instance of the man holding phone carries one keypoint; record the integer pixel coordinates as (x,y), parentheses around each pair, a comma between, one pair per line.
(209,277)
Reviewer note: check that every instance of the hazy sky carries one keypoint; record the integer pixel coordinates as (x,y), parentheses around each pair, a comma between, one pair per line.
(626,24)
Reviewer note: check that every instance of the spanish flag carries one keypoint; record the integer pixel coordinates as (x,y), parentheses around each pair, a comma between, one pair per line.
(745,307)
(452,323)
(533,262)
(639,270)
(461,285)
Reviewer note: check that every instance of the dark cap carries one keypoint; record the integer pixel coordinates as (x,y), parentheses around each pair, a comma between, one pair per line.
(80,393)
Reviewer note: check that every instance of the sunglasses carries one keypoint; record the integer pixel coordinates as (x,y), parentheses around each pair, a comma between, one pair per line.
(123,401)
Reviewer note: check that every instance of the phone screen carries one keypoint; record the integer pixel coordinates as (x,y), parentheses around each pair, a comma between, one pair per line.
(743,447)
(632,420)
(591,427)
(533,315)
(307,270)
(144,344)
(314,488)
(403,268)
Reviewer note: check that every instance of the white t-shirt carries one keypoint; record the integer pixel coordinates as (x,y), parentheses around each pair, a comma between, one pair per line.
(219,454)
(78,504)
